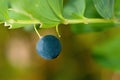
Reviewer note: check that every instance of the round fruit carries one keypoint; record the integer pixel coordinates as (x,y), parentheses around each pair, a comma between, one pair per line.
(48,47)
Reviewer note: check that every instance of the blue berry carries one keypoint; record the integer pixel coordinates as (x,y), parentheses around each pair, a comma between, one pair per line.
(48,47)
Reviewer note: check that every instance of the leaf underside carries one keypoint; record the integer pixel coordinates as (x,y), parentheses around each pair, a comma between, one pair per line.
(46,12)
(3,10)
(74,9)
(104,7)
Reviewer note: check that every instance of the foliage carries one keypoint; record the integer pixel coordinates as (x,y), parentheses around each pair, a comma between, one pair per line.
(50,13)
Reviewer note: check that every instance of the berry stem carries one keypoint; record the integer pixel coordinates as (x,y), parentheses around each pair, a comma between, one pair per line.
(57,30)
(37,31)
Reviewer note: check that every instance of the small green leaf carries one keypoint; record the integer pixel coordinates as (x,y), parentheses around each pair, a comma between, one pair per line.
(47,12)
(107,54)
(104,7)
(3,10)
(74,9)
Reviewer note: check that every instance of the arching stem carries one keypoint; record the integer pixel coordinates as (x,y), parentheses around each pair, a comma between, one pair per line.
(57,30)
(37,31)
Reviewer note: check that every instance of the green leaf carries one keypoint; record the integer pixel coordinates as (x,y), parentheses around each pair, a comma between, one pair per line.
(104,7)
(47,12)
(17,16)
(117,8)
(107,54)
(90,10)
(74,9)
(3,10)
(93,27)
(57,7)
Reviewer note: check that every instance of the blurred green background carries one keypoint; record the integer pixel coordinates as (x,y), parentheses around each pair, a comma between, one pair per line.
(19,60)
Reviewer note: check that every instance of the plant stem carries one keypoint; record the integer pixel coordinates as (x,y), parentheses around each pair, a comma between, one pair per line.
(24,22)
(68,21)
(86,21)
